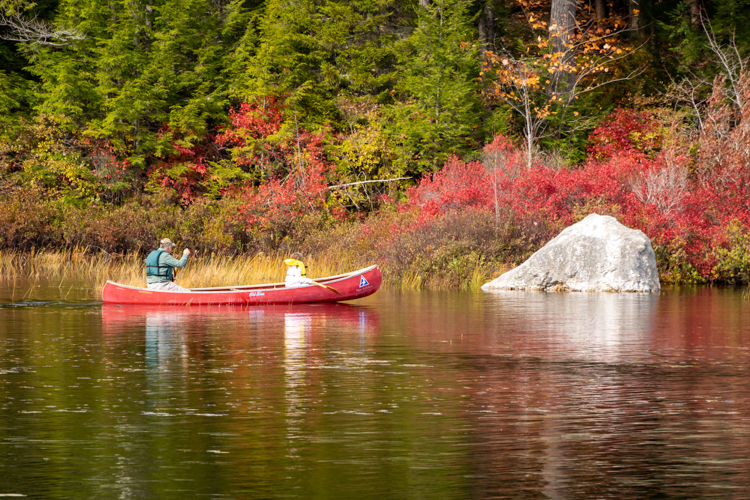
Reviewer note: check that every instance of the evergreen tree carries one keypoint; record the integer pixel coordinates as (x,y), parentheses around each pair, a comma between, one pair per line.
(318,61)
(17,85)
(439,110)
(286,60)
(143,66)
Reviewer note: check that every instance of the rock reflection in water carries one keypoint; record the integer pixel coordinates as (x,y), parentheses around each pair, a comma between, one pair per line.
(600,326)
(601,403)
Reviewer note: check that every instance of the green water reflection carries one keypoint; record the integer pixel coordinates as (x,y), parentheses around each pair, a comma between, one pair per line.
(403,395)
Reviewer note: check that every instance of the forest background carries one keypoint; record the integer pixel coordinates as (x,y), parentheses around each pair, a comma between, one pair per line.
(442,139)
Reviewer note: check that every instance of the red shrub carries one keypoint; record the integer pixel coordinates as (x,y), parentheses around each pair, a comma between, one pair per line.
(248,135)
(456,186)
(624,131)
(183,170)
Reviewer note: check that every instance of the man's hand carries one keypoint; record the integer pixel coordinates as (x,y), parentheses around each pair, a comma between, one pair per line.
(186,252)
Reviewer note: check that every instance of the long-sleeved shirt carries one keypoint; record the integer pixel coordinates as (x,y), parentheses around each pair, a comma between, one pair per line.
(167,260)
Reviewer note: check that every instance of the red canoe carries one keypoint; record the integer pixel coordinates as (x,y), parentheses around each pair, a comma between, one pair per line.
(352,285)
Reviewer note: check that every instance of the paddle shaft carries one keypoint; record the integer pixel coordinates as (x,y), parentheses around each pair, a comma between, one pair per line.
(325,286)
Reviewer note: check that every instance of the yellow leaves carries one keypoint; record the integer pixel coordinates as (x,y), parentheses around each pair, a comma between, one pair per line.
(531,82)
(536,23)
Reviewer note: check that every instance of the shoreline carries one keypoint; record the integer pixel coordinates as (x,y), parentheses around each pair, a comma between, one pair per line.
(96,266)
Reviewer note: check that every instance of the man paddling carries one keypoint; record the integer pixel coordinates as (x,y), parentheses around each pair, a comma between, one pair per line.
(295,275)
(160,267)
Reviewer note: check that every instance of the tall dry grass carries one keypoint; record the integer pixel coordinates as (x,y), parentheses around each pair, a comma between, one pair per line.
(460,251)
(96,267)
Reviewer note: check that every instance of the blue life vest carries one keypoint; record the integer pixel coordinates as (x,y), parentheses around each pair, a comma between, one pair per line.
(154,269)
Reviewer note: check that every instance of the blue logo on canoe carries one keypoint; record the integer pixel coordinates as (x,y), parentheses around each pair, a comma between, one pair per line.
(363,282)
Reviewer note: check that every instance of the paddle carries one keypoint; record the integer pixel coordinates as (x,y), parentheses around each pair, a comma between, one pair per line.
(174,269)
(325,286)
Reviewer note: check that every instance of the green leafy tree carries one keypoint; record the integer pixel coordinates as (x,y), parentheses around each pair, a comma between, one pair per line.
(17,85)
(286,62)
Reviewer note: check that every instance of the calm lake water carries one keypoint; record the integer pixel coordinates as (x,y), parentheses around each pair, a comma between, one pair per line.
(401,395)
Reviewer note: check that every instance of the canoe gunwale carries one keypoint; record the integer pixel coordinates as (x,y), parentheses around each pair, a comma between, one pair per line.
(261,287)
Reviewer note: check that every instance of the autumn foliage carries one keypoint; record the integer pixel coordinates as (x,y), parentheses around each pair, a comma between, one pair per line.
(292,171)
(694,208)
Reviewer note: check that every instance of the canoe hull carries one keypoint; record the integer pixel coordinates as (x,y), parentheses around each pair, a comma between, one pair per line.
(352,286)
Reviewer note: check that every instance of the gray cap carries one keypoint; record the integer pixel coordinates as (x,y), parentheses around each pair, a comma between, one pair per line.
(166,242)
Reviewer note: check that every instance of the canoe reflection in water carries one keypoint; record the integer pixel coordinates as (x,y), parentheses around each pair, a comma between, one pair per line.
(184,345)
(179,332)
(297,329)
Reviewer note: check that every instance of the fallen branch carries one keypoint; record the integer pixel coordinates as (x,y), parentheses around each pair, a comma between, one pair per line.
(367,182)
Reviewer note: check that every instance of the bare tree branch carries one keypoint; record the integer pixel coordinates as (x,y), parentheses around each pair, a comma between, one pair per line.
(689,92)
(729,58)
(664,188)
(37,32)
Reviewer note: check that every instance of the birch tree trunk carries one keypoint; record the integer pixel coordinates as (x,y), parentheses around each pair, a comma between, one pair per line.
(561,27)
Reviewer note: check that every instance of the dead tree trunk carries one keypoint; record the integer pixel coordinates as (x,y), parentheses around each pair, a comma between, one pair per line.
(486,28)
(600,7)
(695,13)
(634,17)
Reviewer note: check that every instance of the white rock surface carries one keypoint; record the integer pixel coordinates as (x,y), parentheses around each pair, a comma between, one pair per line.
(597,254)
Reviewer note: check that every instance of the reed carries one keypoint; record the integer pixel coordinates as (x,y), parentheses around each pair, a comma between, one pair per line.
(478,277)
(95,267)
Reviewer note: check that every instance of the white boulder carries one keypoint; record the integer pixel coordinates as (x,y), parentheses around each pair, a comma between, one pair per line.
(597,254)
